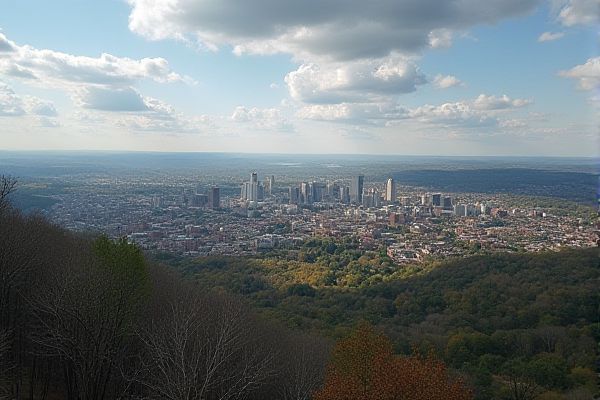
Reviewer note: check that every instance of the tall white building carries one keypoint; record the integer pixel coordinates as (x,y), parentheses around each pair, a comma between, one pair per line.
(390,190)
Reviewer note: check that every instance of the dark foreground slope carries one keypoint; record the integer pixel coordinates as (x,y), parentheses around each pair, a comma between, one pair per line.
(533,316)
(90,318)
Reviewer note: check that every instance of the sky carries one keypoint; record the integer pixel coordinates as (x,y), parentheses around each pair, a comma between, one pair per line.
(407,77)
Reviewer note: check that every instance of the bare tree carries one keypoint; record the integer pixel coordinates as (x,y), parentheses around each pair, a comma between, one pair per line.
(5,364)
(8,185)
(201,346)
(303,363)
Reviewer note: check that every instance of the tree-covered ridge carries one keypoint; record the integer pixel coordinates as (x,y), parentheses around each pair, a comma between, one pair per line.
(86,318)
(495,317)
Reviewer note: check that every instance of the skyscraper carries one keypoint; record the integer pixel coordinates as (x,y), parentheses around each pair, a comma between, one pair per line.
(345,195)
(356,189)
(305,195)
(436,199)
(390,190)
(214,197)
(271,181)
(447,203)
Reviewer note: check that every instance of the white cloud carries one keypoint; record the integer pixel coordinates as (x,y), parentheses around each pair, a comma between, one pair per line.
(13,105)
(6,45)
(332,29)
(162,117)
(111,99)
(49,68)
(357,81)
(262,118)
(550,36)
(10,103)
(459,113)
(356,113)
(446,81)
(483,111)
(483,102)
(587,75)
(37,106)
(440,38)
(578,12)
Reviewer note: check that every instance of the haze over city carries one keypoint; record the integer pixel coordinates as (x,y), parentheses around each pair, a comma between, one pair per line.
(411,77)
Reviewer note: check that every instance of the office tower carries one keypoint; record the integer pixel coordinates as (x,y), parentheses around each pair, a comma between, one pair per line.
(447,203)
(425,200)
(294,195)
(345,195)
(157,202)
(245,191)
(471,210)
(332,191)
(356,189)
(214,197)
(460,210)
(436,199)
(254,177)
(390,190)
(199,200)
(317,191)
(271,181)
(305,195)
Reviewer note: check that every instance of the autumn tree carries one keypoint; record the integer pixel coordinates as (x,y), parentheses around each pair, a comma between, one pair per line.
(364,367)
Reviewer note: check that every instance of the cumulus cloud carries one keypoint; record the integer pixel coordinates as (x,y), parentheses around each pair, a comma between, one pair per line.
(482,111)
(111,99)
(578,12)
(13,105)
(159,116)
(262,118)
(587,75)
(335,29)
(483,102)
(61,68)
(6,45)
(37,106)
(459,113)
(10,104)
(550,36)
(357,113)
(353,81)
(102,84)
(446,81)
(440,38)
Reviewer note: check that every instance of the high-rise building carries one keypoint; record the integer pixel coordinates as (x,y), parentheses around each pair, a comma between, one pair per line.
(390,190)
(305,193)
(199,200)
(356,189)
(214,197)
(317,191)
(447,203)
(294,195)
(345,195)
(436,199)
(271,181)
(425,200)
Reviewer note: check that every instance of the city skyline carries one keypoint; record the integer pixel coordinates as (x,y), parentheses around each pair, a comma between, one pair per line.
(411,78)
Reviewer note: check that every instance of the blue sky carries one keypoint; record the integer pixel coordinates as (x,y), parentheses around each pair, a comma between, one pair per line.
(503,77)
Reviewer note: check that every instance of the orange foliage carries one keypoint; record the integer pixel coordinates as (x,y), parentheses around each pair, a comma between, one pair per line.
(364,367)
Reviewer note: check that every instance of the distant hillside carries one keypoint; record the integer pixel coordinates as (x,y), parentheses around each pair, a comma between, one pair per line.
(483,314)
(576,186)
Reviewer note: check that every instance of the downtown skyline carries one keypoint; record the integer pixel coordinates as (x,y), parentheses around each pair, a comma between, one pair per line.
(385,77)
